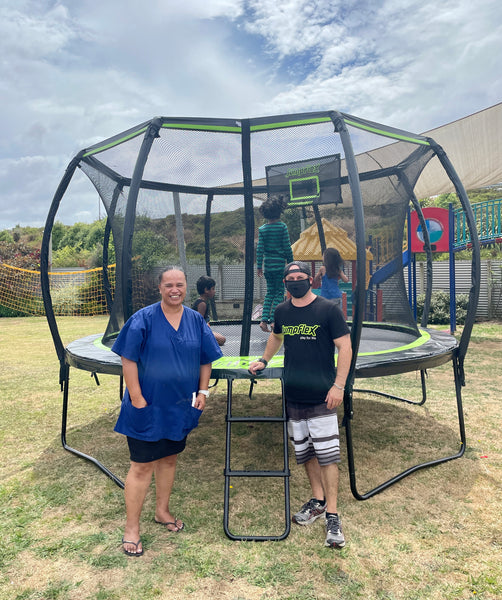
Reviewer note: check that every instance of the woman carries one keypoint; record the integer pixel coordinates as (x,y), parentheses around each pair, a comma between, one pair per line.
(329,274)
(166,351)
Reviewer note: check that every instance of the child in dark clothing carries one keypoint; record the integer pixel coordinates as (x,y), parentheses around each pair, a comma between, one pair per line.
(206,290)
(272,254)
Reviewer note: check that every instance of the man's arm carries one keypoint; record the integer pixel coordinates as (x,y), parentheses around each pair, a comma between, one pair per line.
(334,396)
(273,344)
(344,347)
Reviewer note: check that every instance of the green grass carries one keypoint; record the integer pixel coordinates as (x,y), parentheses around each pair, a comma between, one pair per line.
(435,535)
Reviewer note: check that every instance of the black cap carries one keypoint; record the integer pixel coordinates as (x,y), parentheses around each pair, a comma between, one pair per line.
(302,267)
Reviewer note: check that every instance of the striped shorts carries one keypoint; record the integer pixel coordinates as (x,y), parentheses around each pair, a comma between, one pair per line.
(313,431)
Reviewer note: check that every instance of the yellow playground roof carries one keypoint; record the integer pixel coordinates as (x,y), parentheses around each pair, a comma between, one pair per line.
(308,247)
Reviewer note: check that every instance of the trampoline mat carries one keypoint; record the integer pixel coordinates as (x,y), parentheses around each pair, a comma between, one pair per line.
(383,350)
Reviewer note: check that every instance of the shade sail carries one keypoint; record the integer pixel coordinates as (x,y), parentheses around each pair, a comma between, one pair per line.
(473,145)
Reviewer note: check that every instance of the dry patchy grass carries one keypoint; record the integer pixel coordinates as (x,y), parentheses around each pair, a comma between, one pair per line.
(435,535)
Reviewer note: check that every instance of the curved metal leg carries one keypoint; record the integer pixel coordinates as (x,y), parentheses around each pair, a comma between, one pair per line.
(423,375)
(66,387)
(383,486)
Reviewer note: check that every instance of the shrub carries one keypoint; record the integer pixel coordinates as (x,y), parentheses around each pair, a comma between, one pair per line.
(10,312)
(5,236)
(17,254)
(150,249)
(69,257)
(66,300)
(91,299)
(439,313)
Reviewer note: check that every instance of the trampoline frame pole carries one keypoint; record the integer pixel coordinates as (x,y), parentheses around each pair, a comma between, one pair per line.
(423,375)
(44,260)
(476,253)
(249,239)
(125,270)
(64,421)
(383,486)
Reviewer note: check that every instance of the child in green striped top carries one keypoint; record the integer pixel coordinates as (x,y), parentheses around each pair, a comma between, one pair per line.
(272,254)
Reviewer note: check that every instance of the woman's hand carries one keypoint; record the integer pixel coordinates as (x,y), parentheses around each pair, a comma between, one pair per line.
(200,402)
(138,402)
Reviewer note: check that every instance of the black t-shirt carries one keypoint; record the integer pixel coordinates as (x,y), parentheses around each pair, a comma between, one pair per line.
(309,361)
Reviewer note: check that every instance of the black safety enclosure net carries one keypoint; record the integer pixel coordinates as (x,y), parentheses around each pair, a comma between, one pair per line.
(187,191)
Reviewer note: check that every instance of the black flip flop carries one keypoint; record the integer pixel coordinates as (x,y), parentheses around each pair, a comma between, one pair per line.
(134,544)
(166,523)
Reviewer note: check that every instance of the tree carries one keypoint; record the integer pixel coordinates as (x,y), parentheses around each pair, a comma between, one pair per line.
(6,236)
(58,232)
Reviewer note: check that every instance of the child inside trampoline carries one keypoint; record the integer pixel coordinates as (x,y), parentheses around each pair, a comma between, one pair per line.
(273,252)
(329,274)
(206,288)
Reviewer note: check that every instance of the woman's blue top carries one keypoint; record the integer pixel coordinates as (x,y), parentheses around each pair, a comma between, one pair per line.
(329,288)
(168,368)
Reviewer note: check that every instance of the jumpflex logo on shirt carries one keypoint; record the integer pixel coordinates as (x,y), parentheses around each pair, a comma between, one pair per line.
(303,330)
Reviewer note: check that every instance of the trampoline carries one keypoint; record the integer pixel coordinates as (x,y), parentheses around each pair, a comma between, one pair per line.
(382,351)
(167,180)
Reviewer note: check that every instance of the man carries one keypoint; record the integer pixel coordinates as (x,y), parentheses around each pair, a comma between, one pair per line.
(310,328)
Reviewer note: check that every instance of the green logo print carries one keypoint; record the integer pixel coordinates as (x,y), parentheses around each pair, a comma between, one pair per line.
(302,329)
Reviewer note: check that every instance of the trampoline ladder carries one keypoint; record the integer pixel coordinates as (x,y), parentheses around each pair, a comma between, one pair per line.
(230,474)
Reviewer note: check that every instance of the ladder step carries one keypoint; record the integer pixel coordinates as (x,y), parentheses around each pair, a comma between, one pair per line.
(230,473)
(256,419)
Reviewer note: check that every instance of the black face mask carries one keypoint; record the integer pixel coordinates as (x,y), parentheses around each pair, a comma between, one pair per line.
(299,288)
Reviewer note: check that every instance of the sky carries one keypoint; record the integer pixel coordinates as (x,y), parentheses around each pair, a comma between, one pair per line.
(74,73)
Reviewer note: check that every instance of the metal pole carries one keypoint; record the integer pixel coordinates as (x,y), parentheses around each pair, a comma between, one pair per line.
(180,235)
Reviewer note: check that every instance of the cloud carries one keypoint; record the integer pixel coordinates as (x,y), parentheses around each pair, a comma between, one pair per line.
(20,191)
(75,73)
(393,60)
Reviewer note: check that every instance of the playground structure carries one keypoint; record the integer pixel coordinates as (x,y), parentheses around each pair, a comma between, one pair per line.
(171,169)
(488,219)
(308,248)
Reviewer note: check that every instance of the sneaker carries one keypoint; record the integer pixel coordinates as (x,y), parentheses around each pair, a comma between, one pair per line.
(309,512)
(334,534)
